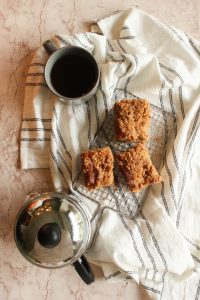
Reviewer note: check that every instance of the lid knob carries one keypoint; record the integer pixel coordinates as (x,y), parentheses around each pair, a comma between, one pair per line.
(49,235)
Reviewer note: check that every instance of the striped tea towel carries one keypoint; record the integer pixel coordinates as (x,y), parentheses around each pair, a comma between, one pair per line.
(137,54)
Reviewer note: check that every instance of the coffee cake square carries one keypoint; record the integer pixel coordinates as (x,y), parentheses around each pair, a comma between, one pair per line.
(132,120)
(136,165)
(98,167)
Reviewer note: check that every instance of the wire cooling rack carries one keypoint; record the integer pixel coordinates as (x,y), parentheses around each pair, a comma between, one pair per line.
(118,196)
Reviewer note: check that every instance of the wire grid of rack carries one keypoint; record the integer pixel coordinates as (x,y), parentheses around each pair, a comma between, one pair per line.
(118,196)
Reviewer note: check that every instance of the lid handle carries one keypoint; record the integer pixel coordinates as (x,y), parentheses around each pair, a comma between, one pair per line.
(84,270)
(49,235)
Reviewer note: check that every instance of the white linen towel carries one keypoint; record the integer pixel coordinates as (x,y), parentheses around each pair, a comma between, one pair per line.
(144,57)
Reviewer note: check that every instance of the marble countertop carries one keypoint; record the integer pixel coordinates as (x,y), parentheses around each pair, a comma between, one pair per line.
(24,26)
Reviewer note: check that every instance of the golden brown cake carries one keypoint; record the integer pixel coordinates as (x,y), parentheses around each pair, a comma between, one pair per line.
(132,120)
(98,167)
(137,168)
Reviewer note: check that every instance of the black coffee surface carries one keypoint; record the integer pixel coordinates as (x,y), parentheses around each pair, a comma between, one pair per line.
(73,75)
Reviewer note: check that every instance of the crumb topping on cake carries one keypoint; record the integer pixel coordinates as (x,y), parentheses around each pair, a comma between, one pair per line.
(132,120)
(98,167)
(137,168)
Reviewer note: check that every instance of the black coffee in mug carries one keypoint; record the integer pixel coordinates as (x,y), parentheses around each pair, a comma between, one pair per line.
(74,75)
(71,73)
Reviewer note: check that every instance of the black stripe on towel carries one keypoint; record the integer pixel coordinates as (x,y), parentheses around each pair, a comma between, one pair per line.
(195,258)
(124,74)
(104,97)
(80,42)
(116,70)
(194,47)
(128,37)
(150,289)
(166,138)
(128,229)
(192,243)
(183,185)
(89,41)
(175,128)
(62,141)
(99,33)
(35,74)
(64,162)
(146,274)
(155,242)
(144,244)
(36,119)
(126,86)
(140,231)
(114,59)
(176,34)
(60,135)
(172,71)
(175,158)
(89,122)
(180,87)
(36,129)
(172,108)
(110,46)
(60,155)
(130,65)
(87,38)
(194,123)
(59,169)
(180,201)
(136,63)
(125,28)
(170,182)
(163,111)
(129,78)
(128,277)
(127,70)
(163,198)
(35,139)
(121,47)
(192,44)
(162,183)
(36,84)
(112,275)
(37,64)
(198,291)
(192,155)
(124,51)
(190,162)
(62,40)
(97,112)
(154,275)
(167,78)
(181,100)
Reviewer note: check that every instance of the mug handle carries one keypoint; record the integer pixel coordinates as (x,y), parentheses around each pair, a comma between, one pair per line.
(49,47)
(84,270)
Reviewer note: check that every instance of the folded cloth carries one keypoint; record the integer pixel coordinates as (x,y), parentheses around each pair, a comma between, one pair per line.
(142,57)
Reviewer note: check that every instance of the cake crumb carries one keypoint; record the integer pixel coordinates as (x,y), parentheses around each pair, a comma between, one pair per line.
(98,167)
(137,168)
(132,120)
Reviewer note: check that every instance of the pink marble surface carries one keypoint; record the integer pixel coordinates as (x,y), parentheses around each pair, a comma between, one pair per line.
(24,25)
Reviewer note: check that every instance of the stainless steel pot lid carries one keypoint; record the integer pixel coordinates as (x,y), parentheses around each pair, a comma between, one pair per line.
(52,230)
